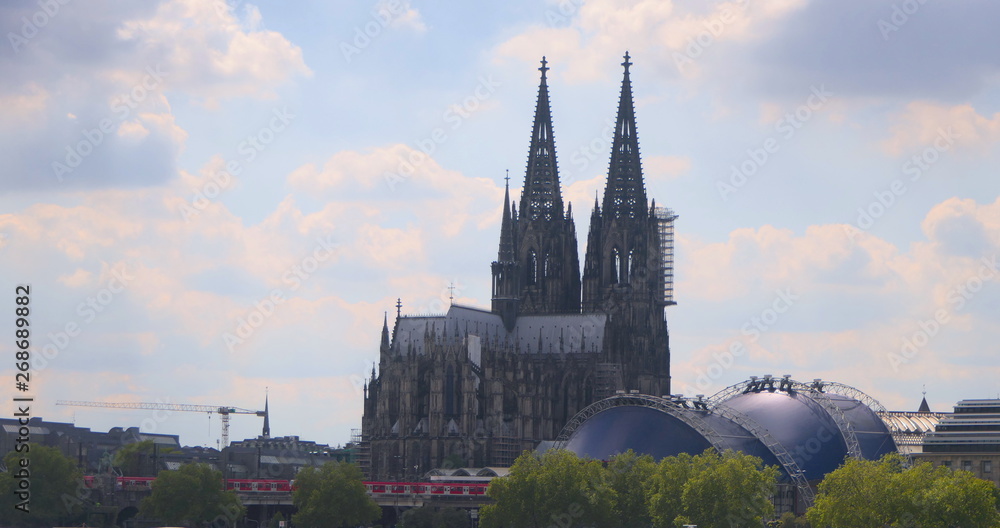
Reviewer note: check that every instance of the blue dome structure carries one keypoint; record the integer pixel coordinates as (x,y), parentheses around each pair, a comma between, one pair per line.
(807,430)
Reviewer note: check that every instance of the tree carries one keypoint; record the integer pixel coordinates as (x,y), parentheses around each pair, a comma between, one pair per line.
(628,477)
(666,488)
(789,520)
(731,489)
(276,521)
(53,481)
(885,492)
(332,496)
(132,458)
(193,494)
(555,488)
(712,490)
(431,517)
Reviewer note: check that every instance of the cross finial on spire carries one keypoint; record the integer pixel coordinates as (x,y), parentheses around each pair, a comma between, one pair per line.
(507,177)
(399,307)
(627,62)
(544,68)
(451,292)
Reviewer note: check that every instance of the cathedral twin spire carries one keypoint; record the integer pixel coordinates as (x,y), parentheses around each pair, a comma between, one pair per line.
(537,268)
(541,198)
(625,194)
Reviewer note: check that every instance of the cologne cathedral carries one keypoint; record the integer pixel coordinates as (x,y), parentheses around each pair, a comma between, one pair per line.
(476,387)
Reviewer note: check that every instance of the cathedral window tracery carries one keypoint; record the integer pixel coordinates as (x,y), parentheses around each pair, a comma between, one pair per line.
(532,268)
(616,266)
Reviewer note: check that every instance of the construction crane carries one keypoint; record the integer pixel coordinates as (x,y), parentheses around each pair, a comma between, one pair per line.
(222,410)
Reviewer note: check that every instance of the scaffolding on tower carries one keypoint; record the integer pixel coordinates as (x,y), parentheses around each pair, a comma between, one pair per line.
(665,226)
(364,452)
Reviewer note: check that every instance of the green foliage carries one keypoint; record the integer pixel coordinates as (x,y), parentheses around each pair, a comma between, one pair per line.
(332,496)
(430,517)
(556,488)
(666,488)
(789,520)
(885,493)
(194,495)
(276,520)
(132,458)
(711,490)
(628,477)
(54,481)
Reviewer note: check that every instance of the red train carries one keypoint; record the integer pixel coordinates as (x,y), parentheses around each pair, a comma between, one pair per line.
(374,489)
(426,488)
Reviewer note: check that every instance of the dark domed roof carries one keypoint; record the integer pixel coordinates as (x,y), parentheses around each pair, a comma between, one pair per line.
(805,429)
(642,429)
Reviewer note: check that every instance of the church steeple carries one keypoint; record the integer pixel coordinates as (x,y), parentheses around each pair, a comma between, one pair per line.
(625,194)
(385,332)
(545,241)
(541,198)
(506,251)
(266,432)
(623,269)
(506,279)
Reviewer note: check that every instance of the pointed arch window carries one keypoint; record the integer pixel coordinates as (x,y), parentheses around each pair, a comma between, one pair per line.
(547,267)
(616,265)
(449,391)
(629,265)
(532,268)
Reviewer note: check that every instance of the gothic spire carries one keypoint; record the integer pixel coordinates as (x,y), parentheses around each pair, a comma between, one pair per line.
(506,253)
(266,433)
(385,332)
(541,197)
(625,194)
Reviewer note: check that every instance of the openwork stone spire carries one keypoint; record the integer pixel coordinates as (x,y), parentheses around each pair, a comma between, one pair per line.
(625,195)
(506,252)
(541,198)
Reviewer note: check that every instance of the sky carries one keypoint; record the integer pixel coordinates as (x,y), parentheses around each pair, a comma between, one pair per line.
(209,200)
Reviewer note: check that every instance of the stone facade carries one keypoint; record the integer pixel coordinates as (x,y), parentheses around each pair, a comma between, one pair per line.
(475,387)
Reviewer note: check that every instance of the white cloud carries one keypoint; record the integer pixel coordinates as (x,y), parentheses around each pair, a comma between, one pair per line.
(857,302)
(926,124)
(665,32)
(88,97)
(212,53)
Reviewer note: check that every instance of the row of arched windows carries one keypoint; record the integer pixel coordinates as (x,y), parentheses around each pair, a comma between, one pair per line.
(538,270)
(622,267)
